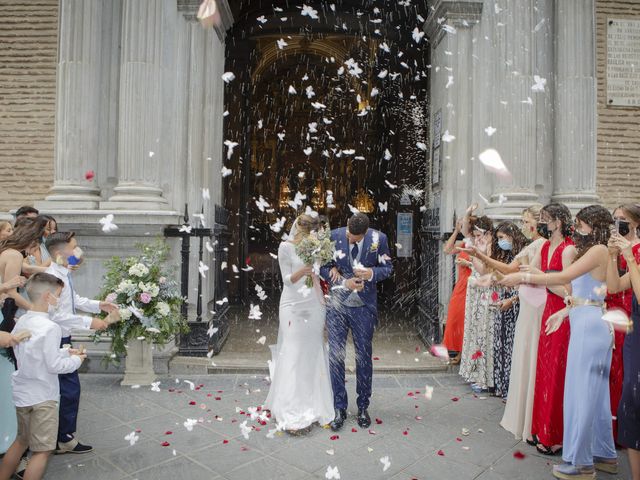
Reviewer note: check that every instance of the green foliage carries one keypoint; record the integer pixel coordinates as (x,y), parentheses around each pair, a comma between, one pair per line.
(148,297)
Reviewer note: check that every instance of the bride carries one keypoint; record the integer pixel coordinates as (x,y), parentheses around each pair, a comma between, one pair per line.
(300,393)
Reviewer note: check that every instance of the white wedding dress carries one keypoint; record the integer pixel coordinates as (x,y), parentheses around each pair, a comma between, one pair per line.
(300,392)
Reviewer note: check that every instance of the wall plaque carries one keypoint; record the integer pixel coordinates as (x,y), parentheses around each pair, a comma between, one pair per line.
(623,62)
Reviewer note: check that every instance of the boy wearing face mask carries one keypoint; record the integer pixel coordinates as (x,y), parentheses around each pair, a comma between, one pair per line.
(35,383)
(64,251)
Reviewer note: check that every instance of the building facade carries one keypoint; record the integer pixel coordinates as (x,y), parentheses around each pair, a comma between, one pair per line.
(132,90)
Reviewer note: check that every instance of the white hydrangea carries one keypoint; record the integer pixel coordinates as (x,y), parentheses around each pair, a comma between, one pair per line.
(126,286)
(151,288)
(163,308)
(125,313)
(138,270)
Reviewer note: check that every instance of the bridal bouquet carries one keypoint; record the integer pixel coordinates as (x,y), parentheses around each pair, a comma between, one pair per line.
(149,300)
(316,248)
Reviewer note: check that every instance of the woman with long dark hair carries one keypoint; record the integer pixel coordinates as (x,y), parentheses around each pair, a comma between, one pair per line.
(555,255)
(588,436)
(628,410)
(627,220)
(508,241)
(25,236)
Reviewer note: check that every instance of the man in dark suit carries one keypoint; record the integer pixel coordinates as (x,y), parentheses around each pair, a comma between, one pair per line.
(362,260)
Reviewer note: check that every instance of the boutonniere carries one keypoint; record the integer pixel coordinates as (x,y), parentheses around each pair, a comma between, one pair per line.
(375,238)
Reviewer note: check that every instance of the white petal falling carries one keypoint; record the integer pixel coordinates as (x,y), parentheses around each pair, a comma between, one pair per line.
(492,161)
(228,77)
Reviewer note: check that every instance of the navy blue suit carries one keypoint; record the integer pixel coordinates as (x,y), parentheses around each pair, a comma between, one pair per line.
(361,320)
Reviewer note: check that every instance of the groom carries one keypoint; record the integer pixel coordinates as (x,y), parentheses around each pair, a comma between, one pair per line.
(353,276)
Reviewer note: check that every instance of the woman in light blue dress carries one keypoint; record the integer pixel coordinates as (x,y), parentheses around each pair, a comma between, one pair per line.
(588,434)
(8,422)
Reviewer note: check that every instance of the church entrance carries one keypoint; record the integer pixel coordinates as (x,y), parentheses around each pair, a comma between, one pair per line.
(332,118)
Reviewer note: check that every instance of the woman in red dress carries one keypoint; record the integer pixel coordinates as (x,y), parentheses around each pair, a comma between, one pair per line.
(454,331)
(556,254)
(627,219)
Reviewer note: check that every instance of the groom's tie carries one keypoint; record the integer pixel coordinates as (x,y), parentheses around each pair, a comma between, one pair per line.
(354,251)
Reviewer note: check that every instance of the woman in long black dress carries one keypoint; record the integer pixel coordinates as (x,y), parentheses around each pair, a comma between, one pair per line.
(629,407)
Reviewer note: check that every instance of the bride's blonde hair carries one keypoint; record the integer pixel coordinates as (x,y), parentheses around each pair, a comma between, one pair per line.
(306,225)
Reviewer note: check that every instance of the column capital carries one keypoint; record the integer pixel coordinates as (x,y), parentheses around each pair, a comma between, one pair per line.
(459,13)
(189,9)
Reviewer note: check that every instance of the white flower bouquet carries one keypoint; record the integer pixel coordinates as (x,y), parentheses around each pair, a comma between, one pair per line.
(149,302)
(315,249)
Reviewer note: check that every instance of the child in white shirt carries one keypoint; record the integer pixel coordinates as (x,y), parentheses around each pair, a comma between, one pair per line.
(35,384)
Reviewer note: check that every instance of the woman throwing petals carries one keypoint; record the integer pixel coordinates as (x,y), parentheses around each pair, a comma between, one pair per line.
(588,435)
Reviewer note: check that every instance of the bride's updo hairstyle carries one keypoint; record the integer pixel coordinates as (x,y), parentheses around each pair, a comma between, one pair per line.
(306,225)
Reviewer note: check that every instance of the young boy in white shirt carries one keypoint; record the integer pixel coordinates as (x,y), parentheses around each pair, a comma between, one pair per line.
(35,384)
(64,251)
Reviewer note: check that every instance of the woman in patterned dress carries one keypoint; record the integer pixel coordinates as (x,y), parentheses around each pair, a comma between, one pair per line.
(476,361)
(508,240)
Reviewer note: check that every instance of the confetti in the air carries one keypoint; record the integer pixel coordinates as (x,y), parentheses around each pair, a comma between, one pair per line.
(107,224)
(228,77)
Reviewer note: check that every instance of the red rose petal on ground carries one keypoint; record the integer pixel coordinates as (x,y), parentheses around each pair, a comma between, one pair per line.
(455,399)
(334,437)
(218,398)
(89,175)
(224,442)
(405,433)
(410,394)
(378,421)
(165,444)
(209,395)
(376,358)
(518,455)
(168,432)
(354,430)
(138,430)
(244,449)
(441,453)
(458,439)
(192,402)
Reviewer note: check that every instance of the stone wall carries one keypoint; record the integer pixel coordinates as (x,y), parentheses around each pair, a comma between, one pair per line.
(618,179)
(28,56)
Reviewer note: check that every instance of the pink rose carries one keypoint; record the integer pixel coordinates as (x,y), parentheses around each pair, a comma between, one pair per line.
(111,298)
(145,297)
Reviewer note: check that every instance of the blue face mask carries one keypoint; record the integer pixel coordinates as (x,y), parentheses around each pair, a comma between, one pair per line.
(505,244)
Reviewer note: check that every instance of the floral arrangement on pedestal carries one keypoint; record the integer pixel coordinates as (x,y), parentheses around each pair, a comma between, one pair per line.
(149,299)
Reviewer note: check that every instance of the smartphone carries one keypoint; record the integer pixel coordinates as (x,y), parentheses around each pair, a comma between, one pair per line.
(617,225)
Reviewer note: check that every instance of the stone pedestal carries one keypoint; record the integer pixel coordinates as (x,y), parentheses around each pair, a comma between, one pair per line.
(138,364)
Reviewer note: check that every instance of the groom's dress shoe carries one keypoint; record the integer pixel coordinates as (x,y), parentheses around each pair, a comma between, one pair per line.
(364,420)
(338,422)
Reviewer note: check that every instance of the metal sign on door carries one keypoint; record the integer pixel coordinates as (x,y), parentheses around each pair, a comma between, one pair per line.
(405,235)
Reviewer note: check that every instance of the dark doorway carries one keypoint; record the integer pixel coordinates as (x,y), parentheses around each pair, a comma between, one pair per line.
(332,111)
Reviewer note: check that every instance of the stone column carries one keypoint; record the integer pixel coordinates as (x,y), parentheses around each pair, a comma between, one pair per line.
(519,49)
(140,152)
(574,169)
(77,106)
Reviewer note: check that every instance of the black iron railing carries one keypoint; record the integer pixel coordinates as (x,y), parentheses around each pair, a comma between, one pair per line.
(206,336)
(428,317)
